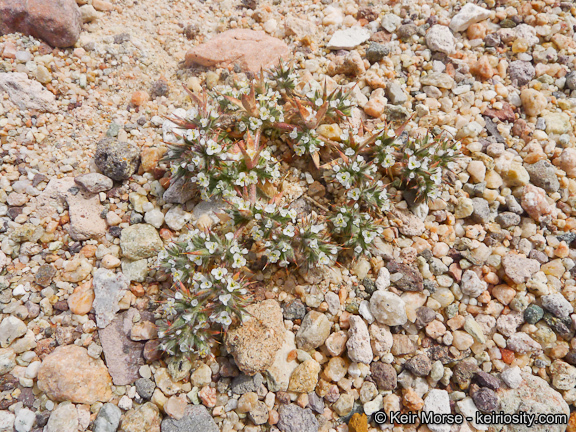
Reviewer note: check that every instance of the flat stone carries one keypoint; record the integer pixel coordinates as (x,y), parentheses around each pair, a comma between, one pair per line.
(250,50)
(292,418)
(254,344)
(144,418)
(196,419)
(533,395)
(25,93)
(109,288)
(94,182)
(70,374)
(519,268)
(123,355)
(313,331)
(348,39)
(84,210)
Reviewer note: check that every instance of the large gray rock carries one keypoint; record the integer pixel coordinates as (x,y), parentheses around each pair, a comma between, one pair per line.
(117,160)
(196,419)
(535,396)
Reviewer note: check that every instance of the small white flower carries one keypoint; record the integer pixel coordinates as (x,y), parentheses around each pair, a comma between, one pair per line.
(211,246)
(225,298)
(288,231)
(413,163)
(219,273)
(354,194)
(239,261)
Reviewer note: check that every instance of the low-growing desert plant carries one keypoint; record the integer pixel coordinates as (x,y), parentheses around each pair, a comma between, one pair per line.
(228,147)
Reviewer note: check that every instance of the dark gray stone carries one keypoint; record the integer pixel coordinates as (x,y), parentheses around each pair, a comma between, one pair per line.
(145,387)
(245,383)
(117,160)
(508,219)
(543,175)
(376,52)
(411,279)
(484,379)
(294,310)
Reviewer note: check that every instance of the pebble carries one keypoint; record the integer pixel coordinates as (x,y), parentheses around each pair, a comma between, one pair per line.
(440,38)
(348,39)
(94,182)
(108,418)
(512,377)
(358,344)
(314,330)
(388,308)
(438,402)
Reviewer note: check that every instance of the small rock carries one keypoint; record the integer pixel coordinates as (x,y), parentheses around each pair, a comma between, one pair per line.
(395,94)
(557,305)
(521,73)
(11,328)
(440,38)
(63,419)
(437,402)
(533,101)
(512,377)
(471,284)
(94,182)
(567,162)
(313,331)
(145,387)
(376,52)
(519,268)
(348,39)
(305,377)
(238,47)
(255,343)
(419,365)
(358,344)
(23,92)
(296,419)
(108,418)
(140,241)
(485,399)
(117,160)
(388,308)
(522,343)
(69,373)
(468,15)
(384,375)
(144,418)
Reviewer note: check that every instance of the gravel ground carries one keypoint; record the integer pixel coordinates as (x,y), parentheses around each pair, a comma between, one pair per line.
(466,305)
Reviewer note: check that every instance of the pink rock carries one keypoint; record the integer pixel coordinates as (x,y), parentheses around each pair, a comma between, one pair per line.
(58,22)
(9,50)
(249,49)
(567,162)
(535,203)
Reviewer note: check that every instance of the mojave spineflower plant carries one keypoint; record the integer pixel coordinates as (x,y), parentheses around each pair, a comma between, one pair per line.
(238,144)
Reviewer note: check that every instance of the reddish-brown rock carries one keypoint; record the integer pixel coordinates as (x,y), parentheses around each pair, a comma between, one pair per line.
(249,49)
(58,22)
